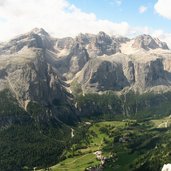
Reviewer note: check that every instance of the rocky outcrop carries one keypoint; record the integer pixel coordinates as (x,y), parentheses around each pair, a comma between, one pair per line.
(147,42)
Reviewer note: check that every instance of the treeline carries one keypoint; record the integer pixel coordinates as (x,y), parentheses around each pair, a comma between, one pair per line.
(109,105)
(154,159)
(93,105)
(36,138)
(24,147)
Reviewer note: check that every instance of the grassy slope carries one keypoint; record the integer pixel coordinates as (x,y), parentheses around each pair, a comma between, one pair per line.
(87,158)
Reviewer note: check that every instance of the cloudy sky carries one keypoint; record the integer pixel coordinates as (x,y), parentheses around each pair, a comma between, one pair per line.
(70,17)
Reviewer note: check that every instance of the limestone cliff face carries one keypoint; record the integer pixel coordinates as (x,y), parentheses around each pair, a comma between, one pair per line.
(37,38)
(73,54)
(150,74)
(122,73)
(102,75)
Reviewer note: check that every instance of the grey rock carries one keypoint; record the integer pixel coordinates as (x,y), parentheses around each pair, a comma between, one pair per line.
(103,75)
(147,42)
(102,44)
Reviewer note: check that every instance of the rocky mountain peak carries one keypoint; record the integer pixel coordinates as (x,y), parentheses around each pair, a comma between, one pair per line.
(84,39)
(39,31)
(102,34)
(147,42)
(37,38)
(103,44)
(161,44)
(103,38)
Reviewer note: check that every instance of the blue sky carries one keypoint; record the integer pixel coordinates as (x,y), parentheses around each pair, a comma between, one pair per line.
(127,11)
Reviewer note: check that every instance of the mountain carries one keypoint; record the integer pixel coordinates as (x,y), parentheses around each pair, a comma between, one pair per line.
(27,71)
(36,109)
(100,62)
(41,78)
(40,70)
(140,64)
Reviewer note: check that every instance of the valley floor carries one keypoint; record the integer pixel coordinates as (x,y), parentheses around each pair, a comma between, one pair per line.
(124,145)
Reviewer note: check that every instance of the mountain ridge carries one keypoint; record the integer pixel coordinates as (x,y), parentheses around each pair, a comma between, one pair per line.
(130,59)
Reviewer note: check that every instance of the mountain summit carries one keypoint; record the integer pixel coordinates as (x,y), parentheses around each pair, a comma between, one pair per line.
(147,42)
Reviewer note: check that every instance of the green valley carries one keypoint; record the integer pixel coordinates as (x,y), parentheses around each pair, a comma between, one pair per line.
(129,145)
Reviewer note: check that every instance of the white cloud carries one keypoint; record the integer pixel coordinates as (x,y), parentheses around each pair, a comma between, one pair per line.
(163,8)
(58,17)
(142,9)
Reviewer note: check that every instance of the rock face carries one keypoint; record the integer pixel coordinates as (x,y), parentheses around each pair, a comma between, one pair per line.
(31,78)
(102,44)
(147,42)
(37,67)
(103,75)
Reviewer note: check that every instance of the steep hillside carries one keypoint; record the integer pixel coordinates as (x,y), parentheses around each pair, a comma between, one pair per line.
(35,107)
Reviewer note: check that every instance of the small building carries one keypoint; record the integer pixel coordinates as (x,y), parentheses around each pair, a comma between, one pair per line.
(98,155)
